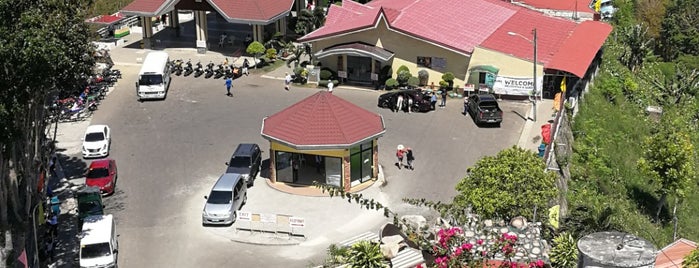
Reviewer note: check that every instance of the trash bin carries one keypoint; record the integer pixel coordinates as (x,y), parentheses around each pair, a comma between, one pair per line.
(542,149)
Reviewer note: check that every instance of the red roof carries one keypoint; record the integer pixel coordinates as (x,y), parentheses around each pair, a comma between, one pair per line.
(673,255)
(567,5)
(322,119)
(106,19)
(482,17)
(578,51)
(238,11)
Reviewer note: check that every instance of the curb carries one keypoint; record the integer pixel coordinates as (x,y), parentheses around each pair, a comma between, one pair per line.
(249,242)
(522,142)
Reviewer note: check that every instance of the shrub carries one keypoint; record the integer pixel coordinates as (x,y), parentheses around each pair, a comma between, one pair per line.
(403,75)
(449,78)
(424,76)
(385,73)
(443,85)
(333,73)
(301,75)
(325,75)
(564,253)
(271,53)
(391,83)
(413,81)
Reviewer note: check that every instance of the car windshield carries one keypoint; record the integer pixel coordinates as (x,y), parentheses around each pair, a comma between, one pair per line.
(95,250)
(95,136)
(97,173)
(220,197)
(240,161)
(90,207)
(150,79)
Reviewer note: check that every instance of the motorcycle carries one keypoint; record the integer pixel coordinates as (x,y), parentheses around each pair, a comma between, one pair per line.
(220,71)
(188,68)
(198,71)
(176,66)
(209,70)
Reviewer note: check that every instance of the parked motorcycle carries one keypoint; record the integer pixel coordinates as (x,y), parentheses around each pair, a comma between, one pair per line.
(188,68)
(209,70)
(198,70)
(220,71)
(176,67)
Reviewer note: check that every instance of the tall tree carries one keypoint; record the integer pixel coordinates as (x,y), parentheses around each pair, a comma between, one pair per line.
(651,13)
(510,184)
(679,32)
(45,49)
(678,86)
(638,46)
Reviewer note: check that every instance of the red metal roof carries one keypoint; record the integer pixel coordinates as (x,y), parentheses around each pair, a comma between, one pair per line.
(578,51)
(462,24)
(106,19)
(322,119)
(673,255)
(567,5)
(240,11)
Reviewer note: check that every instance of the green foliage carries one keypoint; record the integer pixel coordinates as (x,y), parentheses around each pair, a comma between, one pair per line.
(423,77)
(509,184)
(564,253)
(325,75)
(679,32)
(443,85)
(391,83)
(691,260)
(271,53)
(309,20)
(336,255)
(301,75)
(448,77)
(255,48)
(638,46)
(402,75)
(413,81)
(365,254)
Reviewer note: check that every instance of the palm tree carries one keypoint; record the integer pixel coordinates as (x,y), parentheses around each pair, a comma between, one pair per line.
(366,254)
(638,46)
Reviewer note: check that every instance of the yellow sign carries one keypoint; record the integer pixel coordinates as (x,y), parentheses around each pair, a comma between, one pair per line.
(563,85)
(598,5)
(553,216)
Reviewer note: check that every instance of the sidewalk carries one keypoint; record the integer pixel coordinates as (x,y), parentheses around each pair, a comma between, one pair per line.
(531,132)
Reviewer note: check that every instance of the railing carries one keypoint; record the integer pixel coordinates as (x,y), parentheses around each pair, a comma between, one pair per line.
(126,22)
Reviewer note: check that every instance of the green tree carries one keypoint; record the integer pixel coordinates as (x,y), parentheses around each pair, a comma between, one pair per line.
(692,260)
(669,159)
(638,46)
(402,75)
(309,20)
(651,13)
(510,184)
(679,31)
(680,85)
(365,254)
(45,51)
(255,49)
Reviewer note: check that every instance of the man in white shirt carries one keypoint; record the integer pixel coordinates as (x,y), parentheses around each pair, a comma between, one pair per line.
(330,86)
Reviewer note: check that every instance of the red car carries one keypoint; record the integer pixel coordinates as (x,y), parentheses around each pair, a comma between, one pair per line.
(103,174)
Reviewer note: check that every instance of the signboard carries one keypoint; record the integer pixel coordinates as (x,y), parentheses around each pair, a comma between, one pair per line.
(297,222)
(342,74)
(243,216)
(469,87)
(374,77)
(520,86)
(268,218)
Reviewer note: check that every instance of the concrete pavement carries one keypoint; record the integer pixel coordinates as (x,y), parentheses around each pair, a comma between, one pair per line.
(531,132)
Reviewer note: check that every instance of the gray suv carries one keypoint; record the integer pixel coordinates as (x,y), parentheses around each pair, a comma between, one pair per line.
(228,195)
(246,161)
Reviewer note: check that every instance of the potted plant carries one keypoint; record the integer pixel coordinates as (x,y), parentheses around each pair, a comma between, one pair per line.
(424,76)
(391,83)
(449,78)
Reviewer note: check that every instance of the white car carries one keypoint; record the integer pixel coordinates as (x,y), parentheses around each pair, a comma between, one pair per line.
(97,141)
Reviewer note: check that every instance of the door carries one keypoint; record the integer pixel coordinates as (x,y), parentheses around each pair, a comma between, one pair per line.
(359,69)
(282,164)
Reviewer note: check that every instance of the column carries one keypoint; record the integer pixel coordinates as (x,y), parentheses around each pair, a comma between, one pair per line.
(272,165)
(375,160)
(282,25)
(175,21)
(201,29)
(258,33)
(147,26)
(346,179)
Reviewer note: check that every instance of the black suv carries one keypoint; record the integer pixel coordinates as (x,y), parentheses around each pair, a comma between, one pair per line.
(246,161)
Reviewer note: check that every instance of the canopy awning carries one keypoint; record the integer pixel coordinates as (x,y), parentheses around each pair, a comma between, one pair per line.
(356,49)
(578,51)
(485,68)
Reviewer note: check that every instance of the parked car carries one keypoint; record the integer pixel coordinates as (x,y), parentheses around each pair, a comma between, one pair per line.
(96,141)
(421,100)
(89,202)
(103,174)
(484,108)
(228,195)
(246,160)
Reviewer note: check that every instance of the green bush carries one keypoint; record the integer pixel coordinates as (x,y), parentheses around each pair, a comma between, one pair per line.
(403,75)
(443,85)
(448,77)
(423,76)
(333,73)
(385,73)
(271,53)
(413,81)
(564,253)
(391,83)
(325,75)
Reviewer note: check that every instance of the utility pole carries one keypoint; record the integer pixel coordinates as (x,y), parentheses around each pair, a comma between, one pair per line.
(534,92)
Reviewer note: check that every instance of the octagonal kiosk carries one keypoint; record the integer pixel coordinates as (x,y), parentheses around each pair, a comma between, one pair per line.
(325,139)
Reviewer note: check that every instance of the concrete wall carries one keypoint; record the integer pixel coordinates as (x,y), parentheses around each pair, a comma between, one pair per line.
(405,48)
(509,65)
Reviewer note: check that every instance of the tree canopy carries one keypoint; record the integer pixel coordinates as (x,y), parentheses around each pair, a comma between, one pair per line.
(509,184)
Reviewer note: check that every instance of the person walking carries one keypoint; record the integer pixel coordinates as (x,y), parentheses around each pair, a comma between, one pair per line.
(399,103)
(433,100)
(465,105)
(246,64)
(410,104)
(409,157)
(400,151)
(444,98)
(330,86)
(287,81)
(229,83)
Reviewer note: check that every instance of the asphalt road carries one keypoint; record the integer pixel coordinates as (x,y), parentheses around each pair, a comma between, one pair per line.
(170,152)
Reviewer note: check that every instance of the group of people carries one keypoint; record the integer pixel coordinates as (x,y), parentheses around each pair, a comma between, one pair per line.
(400,101)
(229,81)
(407,153)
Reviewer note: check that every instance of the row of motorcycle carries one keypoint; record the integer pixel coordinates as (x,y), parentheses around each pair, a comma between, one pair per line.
(82,102)
(222,70)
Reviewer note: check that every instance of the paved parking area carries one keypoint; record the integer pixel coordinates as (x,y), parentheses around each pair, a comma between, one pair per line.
(170,153)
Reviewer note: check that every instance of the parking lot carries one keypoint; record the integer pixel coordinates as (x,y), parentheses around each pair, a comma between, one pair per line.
(171,152)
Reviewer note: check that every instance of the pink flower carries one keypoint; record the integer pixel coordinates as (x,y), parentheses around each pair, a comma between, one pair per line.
(539,263)
(457,252)
(479,242)
(467,246)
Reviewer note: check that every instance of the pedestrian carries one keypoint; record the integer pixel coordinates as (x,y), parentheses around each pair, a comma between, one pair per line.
(246,64)
(444,98)
(319,161)
(465,105)
(400,151)
(433,100)
(409,157)
(330,86)
(229,83)
(399,102)
(287,81)
(410,104)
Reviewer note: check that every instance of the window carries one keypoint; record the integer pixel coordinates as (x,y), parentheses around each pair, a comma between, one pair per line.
(150,79)
(91,251)
(424,62)
(97,173)
(220,197)
(361,163)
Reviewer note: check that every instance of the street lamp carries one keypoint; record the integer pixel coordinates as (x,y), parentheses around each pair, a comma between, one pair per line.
(534,92)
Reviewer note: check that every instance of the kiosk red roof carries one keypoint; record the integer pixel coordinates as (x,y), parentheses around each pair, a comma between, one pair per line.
(106,19)
(566,5)
(673,255)
(146,7)
(322,120)
(578,51)
(239,11)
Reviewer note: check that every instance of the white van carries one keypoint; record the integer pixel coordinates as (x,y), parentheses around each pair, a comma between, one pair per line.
(154,77)
(98,243)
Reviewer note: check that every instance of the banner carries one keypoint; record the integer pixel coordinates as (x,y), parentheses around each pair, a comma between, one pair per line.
(521,86)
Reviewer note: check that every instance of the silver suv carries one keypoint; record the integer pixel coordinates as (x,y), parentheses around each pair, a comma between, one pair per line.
(228,195)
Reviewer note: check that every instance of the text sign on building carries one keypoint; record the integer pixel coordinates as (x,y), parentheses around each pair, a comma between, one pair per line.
(243,216)
(297,222)
(522,86)
(342,74)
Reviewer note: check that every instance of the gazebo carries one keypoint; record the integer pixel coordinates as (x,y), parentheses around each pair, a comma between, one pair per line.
(325,139)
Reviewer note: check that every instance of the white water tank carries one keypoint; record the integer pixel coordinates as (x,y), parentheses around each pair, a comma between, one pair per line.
(615,249)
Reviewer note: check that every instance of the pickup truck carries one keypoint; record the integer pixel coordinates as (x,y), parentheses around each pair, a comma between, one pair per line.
(484,108)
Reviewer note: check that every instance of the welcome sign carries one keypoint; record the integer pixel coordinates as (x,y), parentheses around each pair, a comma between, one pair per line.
(521,86)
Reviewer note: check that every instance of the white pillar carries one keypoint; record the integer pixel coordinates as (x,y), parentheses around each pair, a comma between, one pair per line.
(201,29)
(147,26)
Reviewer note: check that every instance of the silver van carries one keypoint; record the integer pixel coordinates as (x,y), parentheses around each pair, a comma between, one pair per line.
(227,196)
